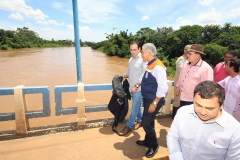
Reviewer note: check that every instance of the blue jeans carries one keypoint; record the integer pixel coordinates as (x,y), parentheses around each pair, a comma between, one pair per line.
(136,109)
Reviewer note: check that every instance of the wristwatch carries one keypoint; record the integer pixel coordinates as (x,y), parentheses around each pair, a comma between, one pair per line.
(155,103)
(136,85)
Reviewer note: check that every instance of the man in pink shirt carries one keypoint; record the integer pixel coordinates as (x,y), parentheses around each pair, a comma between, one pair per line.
(194,71)
(231,84)
(220,69)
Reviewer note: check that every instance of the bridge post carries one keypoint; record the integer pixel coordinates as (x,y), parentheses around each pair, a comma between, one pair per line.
(80,104)
(166,108)
(129,109)
(20,109)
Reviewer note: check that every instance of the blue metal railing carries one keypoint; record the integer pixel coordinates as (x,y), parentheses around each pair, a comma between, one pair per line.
(44,90)
(58,100)
(73,88)
(30,114)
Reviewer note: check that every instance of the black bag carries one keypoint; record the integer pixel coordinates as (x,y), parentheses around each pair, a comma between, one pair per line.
(118,104)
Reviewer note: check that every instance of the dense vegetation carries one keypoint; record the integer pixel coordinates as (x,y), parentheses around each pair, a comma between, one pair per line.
(170,43)
(25,38)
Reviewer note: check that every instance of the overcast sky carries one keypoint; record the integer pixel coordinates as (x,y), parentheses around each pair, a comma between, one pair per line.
(54,18)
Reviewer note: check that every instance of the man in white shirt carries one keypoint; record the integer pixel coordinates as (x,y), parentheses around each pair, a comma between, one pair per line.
(231,84)
(203,130)
(136,69)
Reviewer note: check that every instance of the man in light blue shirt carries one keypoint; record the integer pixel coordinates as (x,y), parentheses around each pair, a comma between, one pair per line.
(136,69)
(203,130)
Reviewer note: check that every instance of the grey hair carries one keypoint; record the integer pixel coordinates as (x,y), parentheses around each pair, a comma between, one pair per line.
(149,47)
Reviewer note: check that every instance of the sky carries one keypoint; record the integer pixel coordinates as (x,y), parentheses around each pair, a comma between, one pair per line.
(53,19)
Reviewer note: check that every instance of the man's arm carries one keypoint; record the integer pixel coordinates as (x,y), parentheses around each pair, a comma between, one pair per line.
(233,151)
(179,65)
(125,75)
(161,77)
(143,69)
(207,74)
(173,144)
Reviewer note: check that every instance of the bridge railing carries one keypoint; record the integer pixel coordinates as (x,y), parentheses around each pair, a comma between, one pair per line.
(21,114)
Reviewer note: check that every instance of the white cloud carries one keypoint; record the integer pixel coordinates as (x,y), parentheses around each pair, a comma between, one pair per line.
(57,5)
(1,27)
(95,36)
(84,28)
(212,17)
(183,21)
(86,34)
(49,33)
(234,13)
(20,7)
(71,27)
(144,18)
(96,11)
(205,2)
(16,16)
(50,22)
(36,14)
(28,24)
(157,7)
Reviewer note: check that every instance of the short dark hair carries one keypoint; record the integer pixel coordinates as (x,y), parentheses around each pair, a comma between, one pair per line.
(209,89)
(235,63)
(232,52)
(134,42)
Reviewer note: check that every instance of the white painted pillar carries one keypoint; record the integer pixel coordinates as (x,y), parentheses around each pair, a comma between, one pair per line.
(20,110)
(81,119)
(166,108)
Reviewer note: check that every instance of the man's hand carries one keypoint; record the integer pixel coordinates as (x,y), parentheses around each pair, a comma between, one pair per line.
(134,89)
(177,91)
(124,77)
(152,108)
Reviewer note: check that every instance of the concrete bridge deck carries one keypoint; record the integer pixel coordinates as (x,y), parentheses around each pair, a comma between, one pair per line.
(88,144)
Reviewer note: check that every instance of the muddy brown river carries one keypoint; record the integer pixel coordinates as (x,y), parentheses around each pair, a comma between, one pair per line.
(55,67)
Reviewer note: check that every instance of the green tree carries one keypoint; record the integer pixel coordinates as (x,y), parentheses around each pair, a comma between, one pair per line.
(214,53)
(210,33)
(176,41)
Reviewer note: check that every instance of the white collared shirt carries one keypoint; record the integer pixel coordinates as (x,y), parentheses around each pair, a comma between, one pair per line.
(136,70)
(232,96)
(189,138)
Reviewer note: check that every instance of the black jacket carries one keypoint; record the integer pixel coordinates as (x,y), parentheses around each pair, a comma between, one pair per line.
(118,104)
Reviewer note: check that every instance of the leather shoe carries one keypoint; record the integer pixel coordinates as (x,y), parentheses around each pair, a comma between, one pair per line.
(137,125)
(125,131)
(141,143)
(151,152)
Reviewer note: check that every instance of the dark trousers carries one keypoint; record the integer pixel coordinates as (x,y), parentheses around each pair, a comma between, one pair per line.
(182,103)
(174,111)
(148,122)
(185,103)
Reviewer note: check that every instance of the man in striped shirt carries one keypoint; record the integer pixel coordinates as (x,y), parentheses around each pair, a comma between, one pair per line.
(203,130)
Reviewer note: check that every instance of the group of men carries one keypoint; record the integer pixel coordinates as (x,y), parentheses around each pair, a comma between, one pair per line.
(206,125)
(148,86)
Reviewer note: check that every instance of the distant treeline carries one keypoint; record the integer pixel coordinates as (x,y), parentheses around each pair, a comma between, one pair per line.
(25,38)
(170,43)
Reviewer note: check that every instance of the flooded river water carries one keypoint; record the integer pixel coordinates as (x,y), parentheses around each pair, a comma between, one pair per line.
(55,67)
